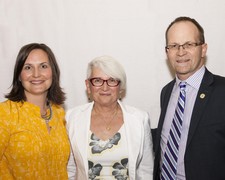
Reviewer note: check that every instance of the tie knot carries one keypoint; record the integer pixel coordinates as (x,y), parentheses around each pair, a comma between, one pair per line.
(182,86)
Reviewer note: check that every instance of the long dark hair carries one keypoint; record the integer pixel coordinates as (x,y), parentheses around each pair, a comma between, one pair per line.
(55,92)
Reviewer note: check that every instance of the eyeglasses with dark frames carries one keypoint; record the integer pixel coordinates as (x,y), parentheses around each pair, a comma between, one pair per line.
(98,82)
(186,46)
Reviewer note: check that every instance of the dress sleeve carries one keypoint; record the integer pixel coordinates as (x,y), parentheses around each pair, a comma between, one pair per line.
(4,141)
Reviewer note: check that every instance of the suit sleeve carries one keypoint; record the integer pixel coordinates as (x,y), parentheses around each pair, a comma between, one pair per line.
(145,167)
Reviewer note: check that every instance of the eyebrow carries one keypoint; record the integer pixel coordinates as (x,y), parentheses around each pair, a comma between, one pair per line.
(39,63)
(173,43)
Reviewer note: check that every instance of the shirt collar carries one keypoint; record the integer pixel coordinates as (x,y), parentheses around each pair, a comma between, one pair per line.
(195,79)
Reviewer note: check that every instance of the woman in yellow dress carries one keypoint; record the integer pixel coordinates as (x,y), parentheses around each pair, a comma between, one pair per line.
(33,138)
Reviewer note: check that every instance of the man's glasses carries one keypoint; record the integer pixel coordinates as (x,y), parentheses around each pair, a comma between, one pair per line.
(186,46)
(98,82)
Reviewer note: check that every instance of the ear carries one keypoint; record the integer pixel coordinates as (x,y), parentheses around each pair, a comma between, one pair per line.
(204,50)
(88,86)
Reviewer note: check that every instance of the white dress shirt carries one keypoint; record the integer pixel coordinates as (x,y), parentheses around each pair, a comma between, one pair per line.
(192,87)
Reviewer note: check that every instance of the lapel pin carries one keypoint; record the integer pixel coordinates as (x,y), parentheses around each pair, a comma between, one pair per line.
(202,96)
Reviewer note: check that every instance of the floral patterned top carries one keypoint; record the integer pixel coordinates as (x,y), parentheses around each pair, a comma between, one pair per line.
(27,149)
(108,159)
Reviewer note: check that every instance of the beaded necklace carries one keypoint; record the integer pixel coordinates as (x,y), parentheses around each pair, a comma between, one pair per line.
(48,115)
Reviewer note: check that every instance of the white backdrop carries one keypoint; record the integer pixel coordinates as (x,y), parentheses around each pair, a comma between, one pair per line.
(132,31)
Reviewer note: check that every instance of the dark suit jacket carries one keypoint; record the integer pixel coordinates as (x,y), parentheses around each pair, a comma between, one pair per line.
(204,157)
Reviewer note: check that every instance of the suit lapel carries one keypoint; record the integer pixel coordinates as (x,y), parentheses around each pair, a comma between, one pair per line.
(200,103)
(133,135)
(81,133)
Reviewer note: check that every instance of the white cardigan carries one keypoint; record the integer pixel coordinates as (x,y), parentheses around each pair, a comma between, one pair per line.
(138,132)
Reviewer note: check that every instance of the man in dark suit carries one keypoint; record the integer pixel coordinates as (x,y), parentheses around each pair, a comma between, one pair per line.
(200,151)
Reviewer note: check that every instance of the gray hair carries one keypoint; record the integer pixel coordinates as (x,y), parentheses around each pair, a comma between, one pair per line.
(110,67)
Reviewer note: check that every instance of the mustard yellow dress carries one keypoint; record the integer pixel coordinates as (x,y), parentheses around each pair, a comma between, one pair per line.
(27,149)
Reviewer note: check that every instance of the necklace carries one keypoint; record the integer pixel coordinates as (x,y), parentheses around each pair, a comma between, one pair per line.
(108,124)
(48,115)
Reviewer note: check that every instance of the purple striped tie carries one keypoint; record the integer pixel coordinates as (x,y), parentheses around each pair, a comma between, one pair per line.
(169,161)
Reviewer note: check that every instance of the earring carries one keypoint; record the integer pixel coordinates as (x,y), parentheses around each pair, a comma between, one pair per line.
(120,97)
(89,98)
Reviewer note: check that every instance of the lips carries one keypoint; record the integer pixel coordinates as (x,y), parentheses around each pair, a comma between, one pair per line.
(105,94)
(182,60)
(37,82)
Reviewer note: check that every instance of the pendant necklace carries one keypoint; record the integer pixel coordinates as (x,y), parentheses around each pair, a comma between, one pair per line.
(108,125)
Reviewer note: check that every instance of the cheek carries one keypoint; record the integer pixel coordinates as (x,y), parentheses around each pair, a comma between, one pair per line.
(170,57)
(24,76)
(117,91)
(92,90)
(49,74)
(171,61)
(196,58)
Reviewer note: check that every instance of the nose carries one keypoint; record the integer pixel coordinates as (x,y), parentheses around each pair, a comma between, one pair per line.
(36,72)
(181,46)
(105,86)
(181,51)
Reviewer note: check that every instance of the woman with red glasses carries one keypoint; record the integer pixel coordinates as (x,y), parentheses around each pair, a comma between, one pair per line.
(109,140)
